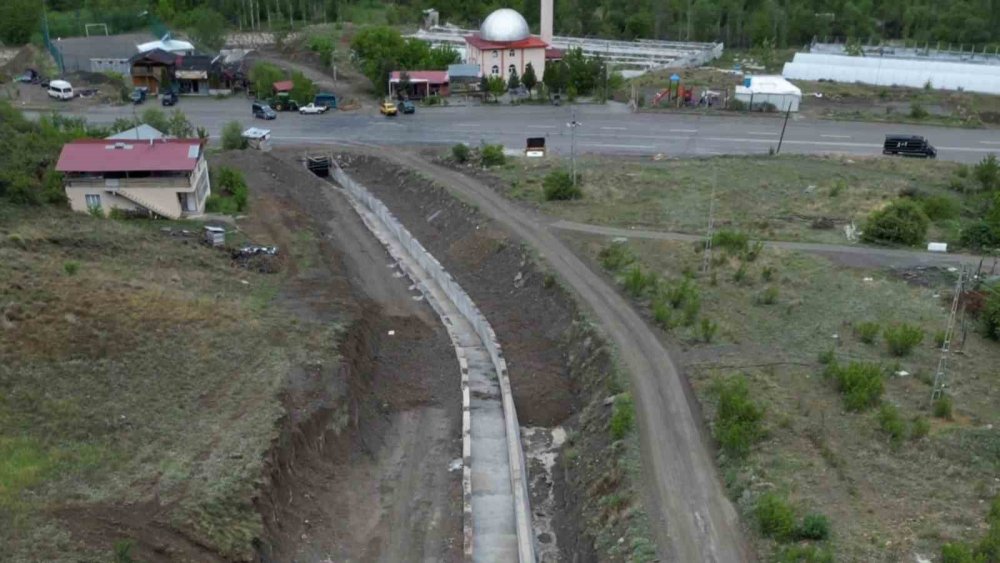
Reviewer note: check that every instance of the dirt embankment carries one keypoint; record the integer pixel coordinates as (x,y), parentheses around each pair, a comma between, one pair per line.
(561,371)
(360,468)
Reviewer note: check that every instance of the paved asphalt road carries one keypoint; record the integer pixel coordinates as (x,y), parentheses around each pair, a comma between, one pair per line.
(608,129)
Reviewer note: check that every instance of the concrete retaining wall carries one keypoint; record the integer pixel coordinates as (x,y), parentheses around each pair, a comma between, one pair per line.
(519,474)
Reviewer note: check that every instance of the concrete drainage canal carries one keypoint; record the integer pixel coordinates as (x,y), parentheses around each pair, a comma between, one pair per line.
(497,511)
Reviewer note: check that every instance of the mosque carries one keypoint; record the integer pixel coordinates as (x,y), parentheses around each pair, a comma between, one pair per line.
(505,45)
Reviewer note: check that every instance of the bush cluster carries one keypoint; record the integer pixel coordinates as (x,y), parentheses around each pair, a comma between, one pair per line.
(558,186)
(902,338)
(460,152)
(776,519)
(739,420)
(622,416)
(492,155)
(733,242)
(232,136)
(867,332)
(987,550)
(231,191)
(861,384)
(615,257)
(901,222)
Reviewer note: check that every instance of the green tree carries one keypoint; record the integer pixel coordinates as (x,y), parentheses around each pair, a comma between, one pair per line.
(207,28)
(232,136)
(157,120)
(529,79)
(179,126)
(263,75)
(18,20)
(405,85)
(497,87)
(987,172)
(555,76)
(303,89)
(513,82)
(901,222)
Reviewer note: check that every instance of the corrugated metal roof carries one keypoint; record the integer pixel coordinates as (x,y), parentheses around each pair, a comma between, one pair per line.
(432,76)
(283,86)
(463,71)
(101,155)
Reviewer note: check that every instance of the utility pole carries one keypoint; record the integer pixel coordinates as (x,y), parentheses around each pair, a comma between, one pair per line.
(788,112)
(941,375)
(706,264)
(572,144)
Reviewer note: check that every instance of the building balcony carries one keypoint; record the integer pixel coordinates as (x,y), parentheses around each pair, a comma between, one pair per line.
(180,184)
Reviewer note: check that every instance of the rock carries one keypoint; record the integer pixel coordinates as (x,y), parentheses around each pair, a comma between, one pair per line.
(71,318)
(519,280)
(175,278)
(610,400)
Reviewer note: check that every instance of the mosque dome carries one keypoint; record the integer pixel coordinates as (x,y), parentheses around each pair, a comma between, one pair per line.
(504,25)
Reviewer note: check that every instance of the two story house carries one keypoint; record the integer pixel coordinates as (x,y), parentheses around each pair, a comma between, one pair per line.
(165,177)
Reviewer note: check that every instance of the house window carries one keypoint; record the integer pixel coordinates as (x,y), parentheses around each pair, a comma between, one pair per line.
(511,69)
(512,52)
(496,54)
(93,201)
(496,70)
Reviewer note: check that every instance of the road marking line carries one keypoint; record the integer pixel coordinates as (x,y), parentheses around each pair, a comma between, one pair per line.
(468,125)
(990,142)
(607,146)
(836,136)
(615,128)
(761,133)
(541,127)
(683,130)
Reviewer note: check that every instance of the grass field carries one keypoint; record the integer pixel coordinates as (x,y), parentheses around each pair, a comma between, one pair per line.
(140,376)
(797,198)
(893,480)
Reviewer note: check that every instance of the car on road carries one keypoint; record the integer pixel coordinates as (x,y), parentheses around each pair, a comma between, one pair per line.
(388,109)
(60,90)
(312,109)
(263,111)
(138,96)
(406,106)
(908,145)
(169,98)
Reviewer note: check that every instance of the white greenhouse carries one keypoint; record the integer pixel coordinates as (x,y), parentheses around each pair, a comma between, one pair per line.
(774,90)
(885,71)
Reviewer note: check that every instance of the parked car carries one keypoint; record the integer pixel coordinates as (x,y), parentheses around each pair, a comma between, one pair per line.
(406,106)
(312,109)
(60,90)
(29,76)
(138,95)
(263,111)
(388,109)
(327,99)
(169,98)
(908,145)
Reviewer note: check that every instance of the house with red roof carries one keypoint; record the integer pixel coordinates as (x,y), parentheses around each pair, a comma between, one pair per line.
(156,177)
(421,83)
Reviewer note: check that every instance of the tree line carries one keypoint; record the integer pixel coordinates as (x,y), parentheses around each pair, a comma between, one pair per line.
(737,23)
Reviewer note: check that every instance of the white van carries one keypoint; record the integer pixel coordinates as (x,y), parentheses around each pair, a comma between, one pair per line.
(61,90)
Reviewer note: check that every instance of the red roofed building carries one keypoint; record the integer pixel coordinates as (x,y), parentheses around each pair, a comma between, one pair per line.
(165,177)
(423,83)
(504,45)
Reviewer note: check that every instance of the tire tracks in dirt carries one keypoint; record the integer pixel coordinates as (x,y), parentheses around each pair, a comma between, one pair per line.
(692,518)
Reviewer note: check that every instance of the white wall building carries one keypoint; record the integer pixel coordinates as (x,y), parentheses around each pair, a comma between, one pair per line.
(504,44)
(773,90)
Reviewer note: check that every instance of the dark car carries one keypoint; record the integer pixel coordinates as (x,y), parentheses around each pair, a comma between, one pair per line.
(263,111)
(406,106)
(169,98)
(138,96)
(908,145)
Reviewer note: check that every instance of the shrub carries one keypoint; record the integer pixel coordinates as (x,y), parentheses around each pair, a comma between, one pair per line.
(558,186)
(662,313)
(734,242)
(615,257)
(861,384)
(708,329)
(740,275)
(814,526)
(943,407)
(682,293)
(71,267)
(891,423)
(939,338)
(839,186)
(917,111)
(767,274)
(231,192)
(738,421)
(637,283)
(752,251)
(460,152)
(867,332)
(919,428)
(827,357)
(232,136)
(622,416)
(987,172)
(775,517)
(901,222)
(492,155)
(990,314)
(958,553)
(768,297)
(901,339)
(691,308)
(939,207)
(804,553)
(979,235)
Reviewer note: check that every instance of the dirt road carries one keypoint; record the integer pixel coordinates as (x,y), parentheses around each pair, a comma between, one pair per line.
(692,518)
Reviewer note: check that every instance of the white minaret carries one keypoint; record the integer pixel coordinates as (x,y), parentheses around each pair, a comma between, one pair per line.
(547,21)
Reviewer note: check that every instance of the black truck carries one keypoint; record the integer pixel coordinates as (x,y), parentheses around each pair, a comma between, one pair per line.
(908,145)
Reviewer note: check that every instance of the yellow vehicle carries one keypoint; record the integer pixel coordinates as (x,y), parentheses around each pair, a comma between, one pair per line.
(387,108)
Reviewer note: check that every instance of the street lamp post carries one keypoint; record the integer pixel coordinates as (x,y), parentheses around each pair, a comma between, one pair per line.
(572,144)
